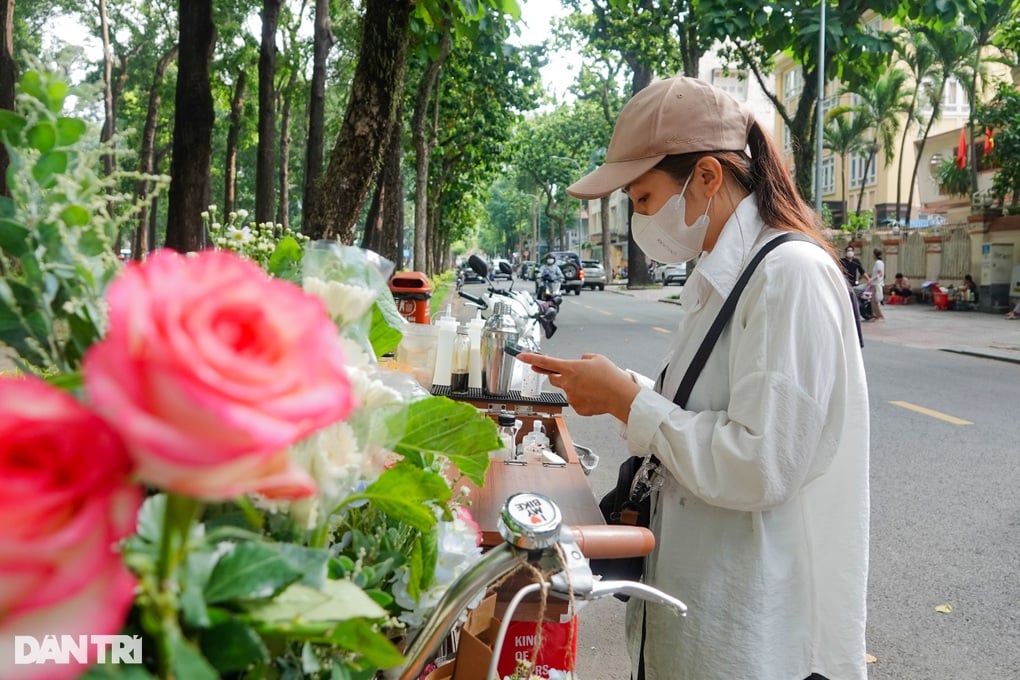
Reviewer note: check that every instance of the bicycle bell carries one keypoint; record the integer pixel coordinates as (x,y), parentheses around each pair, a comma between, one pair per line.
(530,521)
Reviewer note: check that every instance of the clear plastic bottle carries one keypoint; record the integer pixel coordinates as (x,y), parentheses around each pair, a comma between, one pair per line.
(447,325)
(508,436)
(475,327)
(533,442)
(460,361)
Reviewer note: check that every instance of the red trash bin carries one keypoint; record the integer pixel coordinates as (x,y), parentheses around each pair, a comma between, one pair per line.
(412,291)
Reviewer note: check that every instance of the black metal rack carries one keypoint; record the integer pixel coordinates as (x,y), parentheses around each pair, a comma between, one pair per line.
(511,397)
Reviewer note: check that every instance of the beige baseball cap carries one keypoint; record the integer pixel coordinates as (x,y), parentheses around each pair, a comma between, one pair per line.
(668,117)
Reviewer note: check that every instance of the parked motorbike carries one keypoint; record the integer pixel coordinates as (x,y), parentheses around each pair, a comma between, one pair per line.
(534,317)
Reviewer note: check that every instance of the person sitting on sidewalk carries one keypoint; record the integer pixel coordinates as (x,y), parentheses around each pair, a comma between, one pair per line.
(968,290)
(1015,312)
(901,286)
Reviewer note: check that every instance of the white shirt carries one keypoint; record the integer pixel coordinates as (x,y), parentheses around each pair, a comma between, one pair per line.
(878,279)
(762,524)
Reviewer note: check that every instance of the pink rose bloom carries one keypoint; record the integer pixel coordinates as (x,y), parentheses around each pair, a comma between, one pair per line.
(211,369)
(65,501)
(465,516)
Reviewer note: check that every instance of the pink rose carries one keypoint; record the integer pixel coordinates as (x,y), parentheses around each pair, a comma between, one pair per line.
(211,369)
(65,501)
(464,515)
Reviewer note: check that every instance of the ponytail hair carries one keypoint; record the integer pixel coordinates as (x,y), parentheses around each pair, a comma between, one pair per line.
(779,204)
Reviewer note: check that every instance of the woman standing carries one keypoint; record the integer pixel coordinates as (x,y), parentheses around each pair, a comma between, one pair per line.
(761,521)
(877,283)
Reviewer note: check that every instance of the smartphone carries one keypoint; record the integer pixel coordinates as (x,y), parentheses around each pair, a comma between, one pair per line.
(513,349)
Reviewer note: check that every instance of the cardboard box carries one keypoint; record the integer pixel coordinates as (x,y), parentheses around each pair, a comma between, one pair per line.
(478,634)
(444,672)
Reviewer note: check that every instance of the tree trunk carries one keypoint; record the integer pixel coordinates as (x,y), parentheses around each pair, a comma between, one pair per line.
(359,148)
(8,79)
(193,124)
(637,264)
(110,123)
(424,140)
(140,243)
(265,154)
(920,150)
(230,162)
(804,129)
(283,208)
(864,178)
(322,42)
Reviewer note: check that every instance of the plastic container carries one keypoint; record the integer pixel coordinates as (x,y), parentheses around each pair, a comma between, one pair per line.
(459,363)
(447,333)
(474,331)
(508,426)
(416,352)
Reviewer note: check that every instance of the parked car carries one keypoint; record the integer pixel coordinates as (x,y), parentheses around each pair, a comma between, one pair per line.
(594,274)
(469,275)
(497,271)
(573,272)
(671,272)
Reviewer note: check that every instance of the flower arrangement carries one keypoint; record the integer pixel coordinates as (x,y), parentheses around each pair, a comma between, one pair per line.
(204,458)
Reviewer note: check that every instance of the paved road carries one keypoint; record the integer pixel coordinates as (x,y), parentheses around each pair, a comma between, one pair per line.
(917,325)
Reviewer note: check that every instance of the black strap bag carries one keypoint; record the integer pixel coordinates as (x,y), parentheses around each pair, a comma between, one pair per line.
(630,501)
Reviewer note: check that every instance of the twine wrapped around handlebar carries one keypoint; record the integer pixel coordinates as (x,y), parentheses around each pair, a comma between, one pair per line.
(541,576)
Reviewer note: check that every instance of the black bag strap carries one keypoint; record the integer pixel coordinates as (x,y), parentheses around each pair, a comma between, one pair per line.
(697,364)
(683,392)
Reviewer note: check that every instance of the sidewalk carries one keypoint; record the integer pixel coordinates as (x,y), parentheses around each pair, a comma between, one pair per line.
(915,325)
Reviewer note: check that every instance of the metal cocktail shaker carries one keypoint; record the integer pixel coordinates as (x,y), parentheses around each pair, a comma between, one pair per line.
(497,364)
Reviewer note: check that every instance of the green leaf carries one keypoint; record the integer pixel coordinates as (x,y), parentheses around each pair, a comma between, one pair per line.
(383,336)
(69,381)
(311,562)
(441,426)
(75,216)
(14,237)
(69,130)
(12,125)
(414,582)
(31,84)
(150,518)
(232,646)
(337,600)
(42,136)
(285,261)
(359,636)
(48,165)
(250,571)
(189,663)
(198,567)
(404,492)
(56,93)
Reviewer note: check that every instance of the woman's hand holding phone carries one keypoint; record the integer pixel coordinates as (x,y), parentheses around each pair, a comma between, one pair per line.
(593,384)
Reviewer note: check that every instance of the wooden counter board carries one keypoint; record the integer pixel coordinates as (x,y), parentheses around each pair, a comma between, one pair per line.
(567,486)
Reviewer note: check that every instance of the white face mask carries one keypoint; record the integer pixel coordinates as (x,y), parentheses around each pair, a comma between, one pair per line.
(666,236)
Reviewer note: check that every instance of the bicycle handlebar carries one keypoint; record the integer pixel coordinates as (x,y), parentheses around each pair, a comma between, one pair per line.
(601,541)
(539,540)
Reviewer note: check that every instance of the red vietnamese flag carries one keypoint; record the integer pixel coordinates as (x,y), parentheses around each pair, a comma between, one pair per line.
(989,140)
(961,151)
